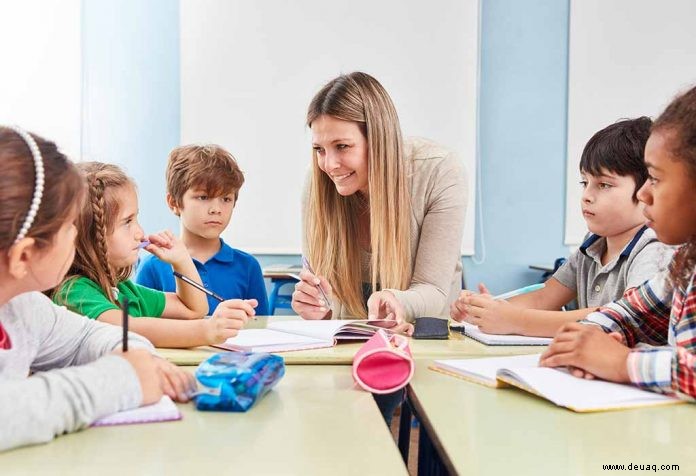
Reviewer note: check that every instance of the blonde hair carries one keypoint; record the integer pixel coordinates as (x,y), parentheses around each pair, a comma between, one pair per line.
(332,221)
(209,167)
(95,223)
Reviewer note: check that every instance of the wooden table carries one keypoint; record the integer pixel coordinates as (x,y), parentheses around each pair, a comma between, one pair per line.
(458,346)
(483,431)
(314,422)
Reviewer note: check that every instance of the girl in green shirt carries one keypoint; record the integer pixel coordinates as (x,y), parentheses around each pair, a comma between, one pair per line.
(108,242)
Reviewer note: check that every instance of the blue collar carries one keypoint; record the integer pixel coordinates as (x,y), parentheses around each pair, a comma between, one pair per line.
(592,239)
(225,254)
(632,244)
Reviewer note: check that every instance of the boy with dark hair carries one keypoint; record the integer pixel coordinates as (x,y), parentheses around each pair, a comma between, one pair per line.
(619,253)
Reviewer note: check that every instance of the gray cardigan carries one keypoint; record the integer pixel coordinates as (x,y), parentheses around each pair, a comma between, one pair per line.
(58,376)
(438,206)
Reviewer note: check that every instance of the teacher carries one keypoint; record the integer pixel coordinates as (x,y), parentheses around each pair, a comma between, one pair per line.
(383,216)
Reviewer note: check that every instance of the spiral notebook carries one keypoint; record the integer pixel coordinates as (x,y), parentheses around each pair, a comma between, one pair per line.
(164,410)
(475,333)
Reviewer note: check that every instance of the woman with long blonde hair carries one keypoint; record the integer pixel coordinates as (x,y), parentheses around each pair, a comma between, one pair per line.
(383,216)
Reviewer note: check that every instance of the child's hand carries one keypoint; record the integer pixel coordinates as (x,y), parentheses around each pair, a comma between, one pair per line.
(307,300)
(147,369)
(458,309)
(588,351)
(229,317)
(167,247)
(492,316)
(176,383)
(384,305)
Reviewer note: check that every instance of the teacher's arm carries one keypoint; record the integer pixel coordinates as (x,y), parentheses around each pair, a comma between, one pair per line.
(439,243)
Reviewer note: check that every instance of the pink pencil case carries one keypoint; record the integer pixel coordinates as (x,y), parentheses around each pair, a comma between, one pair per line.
(384,363)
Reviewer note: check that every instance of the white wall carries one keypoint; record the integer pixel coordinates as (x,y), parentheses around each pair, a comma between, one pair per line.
(40,77)
(250,69)
(628,58)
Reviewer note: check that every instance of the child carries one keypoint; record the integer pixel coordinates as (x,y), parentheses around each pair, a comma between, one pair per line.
(109,238)
(620,252)
(58,370)
(651,342)
(203,185)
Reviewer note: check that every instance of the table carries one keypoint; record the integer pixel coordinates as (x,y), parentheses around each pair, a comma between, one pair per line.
(314,422)
(458,346)
(479,430)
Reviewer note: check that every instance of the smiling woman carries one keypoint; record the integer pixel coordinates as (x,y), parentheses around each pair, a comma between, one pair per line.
(383,217)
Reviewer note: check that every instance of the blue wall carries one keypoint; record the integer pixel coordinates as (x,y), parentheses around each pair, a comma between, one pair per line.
(131,94)
(131,67)
(522,132)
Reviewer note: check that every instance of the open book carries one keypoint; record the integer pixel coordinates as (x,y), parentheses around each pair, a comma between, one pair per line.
(473,331)
(303,334)
(556,385)
(164,410)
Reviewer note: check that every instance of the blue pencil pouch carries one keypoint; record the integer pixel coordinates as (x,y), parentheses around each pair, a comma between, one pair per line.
(234,381)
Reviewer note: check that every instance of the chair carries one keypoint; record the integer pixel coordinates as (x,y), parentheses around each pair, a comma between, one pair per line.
(278,300)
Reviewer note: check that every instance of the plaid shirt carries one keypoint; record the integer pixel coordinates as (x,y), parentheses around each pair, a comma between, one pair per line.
(659,324)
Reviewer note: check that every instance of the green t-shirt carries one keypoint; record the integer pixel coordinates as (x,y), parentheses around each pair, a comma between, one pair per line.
(84,296)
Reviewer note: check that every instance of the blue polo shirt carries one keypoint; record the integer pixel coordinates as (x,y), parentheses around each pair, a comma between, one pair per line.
(231,273)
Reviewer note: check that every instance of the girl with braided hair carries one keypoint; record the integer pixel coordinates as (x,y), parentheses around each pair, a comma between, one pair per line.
(59,371)
(108,241)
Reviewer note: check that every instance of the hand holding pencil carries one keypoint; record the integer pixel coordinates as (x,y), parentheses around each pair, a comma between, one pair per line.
(312,296)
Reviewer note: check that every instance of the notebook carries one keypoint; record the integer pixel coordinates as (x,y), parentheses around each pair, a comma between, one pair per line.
(555,385)
(473,331)
(303,334)
(164,410)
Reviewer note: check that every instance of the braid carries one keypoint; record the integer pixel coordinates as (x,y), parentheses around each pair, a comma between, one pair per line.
(97,204)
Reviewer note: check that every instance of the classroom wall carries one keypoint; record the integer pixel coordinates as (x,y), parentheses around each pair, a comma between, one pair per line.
(522,101)
(130,94)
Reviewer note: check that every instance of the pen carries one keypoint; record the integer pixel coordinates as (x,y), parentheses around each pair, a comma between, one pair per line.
(197,286)
(517,292)
(124,310)
(306,265)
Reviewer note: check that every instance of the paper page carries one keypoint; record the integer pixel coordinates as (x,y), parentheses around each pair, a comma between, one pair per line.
(581,394)
(268,340)
(164,410)
(322,330)
(494,339)
(485,369)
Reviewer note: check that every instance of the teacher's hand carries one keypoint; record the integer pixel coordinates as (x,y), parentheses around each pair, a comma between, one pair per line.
(384,305)
(307,300)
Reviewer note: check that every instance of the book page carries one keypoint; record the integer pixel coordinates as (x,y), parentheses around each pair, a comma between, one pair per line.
(268,340)
(322,330)
(580,394)
(485,369)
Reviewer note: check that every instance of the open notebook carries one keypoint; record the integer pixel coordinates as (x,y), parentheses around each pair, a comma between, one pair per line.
(473,331)
(164,410)
(556,385)
(301,335)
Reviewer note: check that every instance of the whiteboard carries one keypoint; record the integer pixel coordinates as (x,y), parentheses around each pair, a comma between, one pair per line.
(628,58)
(40,83)
(249,70)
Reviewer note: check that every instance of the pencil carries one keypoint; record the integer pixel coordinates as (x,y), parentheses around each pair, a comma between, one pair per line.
(197,286)
(124,309)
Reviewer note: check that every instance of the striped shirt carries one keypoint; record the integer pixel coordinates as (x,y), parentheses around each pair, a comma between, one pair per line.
(658,323)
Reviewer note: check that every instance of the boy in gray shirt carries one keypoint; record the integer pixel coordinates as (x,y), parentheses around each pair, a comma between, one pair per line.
(619,253)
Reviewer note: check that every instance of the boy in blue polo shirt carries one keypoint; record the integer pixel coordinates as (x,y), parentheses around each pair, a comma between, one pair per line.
(203,183)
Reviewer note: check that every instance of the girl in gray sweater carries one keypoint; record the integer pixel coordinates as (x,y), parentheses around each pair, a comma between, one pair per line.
(58,370)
